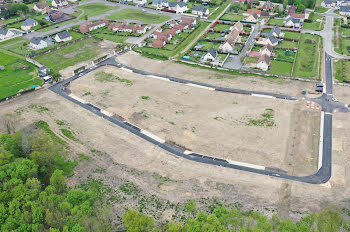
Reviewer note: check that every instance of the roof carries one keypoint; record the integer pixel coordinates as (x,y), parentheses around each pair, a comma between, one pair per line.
(294,20)
(268,47)
(255,15)
(291,10)
(36,40)
(63,34)
(3,31)
(268,6)
(344,9)
(180,4)
(328,2)
(264,14)
(59,1)
(276,29)
(29,22)
(200,8)
(264,58)
(252,11)
(156,2)
(232,37)
(272,38)
(212,52)
(42,5)
(238,26)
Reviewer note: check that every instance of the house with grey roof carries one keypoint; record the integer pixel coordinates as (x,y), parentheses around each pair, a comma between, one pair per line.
(211,56)
(37,43)
(276,31)
(344,10)
(272,40)
(178,7)
(41,7)
(293,22)
(28,24)
(5,33)
(200,11)
(63,36)
(160,4)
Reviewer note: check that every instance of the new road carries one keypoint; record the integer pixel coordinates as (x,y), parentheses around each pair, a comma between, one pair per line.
(321,176)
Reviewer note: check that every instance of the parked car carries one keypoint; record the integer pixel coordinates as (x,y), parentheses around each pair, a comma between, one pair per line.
(319,89)
(319,85)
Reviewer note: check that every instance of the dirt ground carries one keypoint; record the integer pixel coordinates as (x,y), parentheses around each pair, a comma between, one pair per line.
(212,123)
(134,159)
(280,86)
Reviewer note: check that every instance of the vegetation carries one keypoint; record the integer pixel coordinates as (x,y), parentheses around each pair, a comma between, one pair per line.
(220,10)
(265,120)
(281,67)
(108,77)
(69,134)
(16,74)
(342,70)
(138,15)
(93,9)
(308,57)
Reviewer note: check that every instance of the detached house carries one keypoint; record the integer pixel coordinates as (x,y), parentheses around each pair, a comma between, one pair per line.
(253,18)
(89,26)
(211,56)
(276,31)
(5,33)
(266,50)
(37,43)
(264,62)
(63,36)
(56,16)
(200,11)
(293,22)
(238,27)
(268,6)
(28,24)
(160,4)
(178,7)
(41,7)
(272,40)
(59,3)
(344,10)
(158,43)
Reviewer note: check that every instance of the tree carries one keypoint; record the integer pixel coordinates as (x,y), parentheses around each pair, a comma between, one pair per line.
(58,180)
(19,9)
(137,222)
(191,207)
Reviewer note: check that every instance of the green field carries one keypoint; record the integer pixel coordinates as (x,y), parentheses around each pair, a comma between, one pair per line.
(280,67)
(342,70)
(232,17)
(321,10)
(276,22)
(70,55)
(343,47)
(93,9)
(207,45)
(138,15)
(308,57)
(219,10)
(291,35)
(345,31)
(222,27)
(287,44)
(10,41)
(18,74)
(284,55)
(314,25)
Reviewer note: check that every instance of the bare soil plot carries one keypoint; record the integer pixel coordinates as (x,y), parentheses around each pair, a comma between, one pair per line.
(236,127)
(282,86)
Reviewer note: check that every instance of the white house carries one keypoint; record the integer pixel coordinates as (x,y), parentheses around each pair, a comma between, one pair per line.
(211,56)
(329,3)
(266,50)
(276,31)
(28,24)
(344,10)
(230,42)
(140,2)
(263,62)
(37,43)
(160,4)
(59,3)
(252,18)
(293,22)
(238,27)
(178,7)
(272,40)
(63,36)
(200,11)
(41,7)
(5,33)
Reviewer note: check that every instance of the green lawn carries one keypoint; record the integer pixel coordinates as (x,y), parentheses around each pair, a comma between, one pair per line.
(287,44)
(284,55)
(213,35)
(345,31)
(308,60)
(18,74)
(249,60)
(280,67)
(222,27)
(219,10)
(276,22)
(93,9)
(117,37)
(55,25)
(207,45)
(232,17)
(321,10)
(72,54)
(314,25)
(138,15)
(10,41)
(291,35)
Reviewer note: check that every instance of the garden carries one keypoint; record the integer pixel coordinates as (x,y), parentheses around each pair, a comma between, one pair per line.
(280,67)
(276,21)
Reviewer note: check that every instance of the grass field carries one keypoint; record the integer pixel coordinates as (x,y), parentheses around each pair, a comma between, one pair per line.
(276,22)
(11,41)
(307,60)
(232,17)
(343,46)
(284,55)
(17,74)
(280,67)
(93,9)
(222,27)
(342,70)
(72,54)
(287,44)
(321,10)
(315,24)
(345,31)
(219,10)
(291,35)
(138,15)
(207,45)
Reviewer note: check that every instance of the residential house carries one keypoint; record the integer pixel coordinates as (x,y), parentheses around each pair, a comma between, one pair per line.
(264,14)
(266,50)
(267,6)
(37,43)
(253,18)
(344,10)
(43,71)
(56,16)
(137,28)
(231,39)
(179,27)
(238,27)
(264,62)
(41,7)
(178,7)
(272,40)
(90,26)
(5,33)
(200,11)
(293,22)
(158,43)
(188,21)
(210,56)
(172,31)
(160,4)
(63,36)
(252,11)
(329,3)
(28,24)
(140,2)
(59,3)
(253,2)
(276,31)
(162,36)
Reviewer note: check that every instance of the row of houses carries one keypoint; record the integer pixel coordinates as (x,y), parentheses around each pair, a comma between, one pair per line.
(181,7)
(232,38)
(265,6)
(125,27)
(162,37)
(264,55)
(37,43)
(335,3)
(90,26)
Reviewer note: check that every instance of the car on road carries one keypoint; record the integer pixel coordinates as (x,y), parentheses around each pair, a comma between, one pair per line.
(319,87)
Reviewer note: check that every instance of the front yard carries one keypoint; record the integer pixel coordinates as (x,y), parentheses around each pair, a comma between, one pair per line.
(275,21)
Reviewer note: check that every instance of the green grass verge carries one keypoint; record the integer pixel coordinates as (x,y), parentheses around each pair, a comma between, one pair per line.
(219,10)
(138,15)
(93,9)
(16,74)
(70,55)
(291,35)
(307,61)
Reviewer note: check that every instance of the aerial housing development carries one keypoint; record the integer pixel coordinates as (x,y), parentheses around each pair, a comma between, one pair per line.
(175,115)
